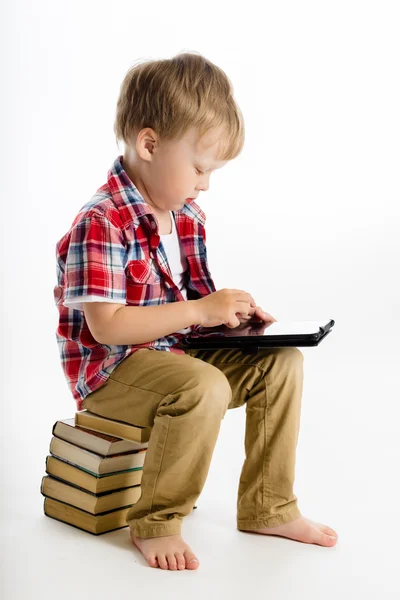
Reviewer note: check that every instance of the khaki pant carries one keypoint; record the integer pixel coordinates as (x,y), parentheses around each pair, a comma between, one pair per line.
(184,398)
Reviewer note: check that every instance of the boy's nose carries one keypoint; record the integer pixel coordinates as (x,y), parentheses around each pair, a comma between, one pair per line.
(204,182)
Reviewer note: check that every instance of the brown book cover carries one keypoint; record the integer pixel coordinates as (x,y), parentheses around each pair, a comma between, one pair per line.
(92,503)
(123,430)
(95,441)
(96,484)
(94,524)
(93,462)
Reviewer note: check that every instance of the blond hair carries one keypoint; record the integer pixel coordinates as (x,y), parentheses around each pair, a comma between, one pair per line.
(173,95)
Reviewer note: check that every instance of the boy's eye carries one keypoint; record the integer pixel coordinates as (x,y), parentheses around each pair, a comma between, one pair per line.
(199,172)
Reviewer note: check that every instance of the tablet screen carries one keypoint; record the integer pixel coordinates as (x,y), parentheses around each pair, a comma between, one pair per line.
(263,329)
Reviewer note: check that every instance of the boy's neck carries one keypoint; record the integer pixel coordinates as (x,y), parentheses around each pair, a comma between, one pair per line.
(133,173)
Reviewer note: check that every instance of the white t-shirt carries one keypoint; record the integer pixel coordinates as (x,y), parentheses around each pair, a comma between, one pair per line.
(176,259)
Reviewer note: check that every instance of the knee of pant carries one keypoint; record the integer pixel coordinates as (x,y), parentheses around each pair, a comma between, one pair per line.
(296,354)
(213,387)
(291,356)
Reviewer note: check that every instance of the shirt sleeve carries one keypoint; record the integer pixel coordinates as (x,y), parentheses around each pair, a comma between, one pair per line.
(77,303)
(95,263)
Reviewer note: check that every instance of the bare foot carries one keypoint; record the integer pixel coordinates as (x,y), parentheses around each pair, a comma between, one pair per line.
(302,530)
(166,552)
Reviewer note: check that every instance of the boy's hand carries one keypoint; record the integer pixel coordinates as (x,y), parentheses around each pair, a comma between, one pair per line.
(257,314)
(229,307)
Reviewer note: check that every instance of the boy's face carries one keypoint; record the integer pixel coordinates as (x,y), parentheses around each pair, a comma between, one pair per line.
(169,174)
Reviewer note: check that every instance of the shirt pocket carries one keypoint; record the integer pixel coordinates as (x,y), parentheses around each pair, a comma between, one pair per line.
(143,282)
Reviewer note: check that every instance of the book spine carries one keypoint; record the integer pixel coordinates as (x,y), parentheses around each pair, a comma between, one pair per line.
(67,522)
(97,494)
(82,489)
(98,475)
(88,512)
(131,432)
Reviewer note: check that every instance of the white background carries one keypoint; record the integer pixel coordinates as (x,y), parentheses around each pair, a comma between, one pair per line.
(306,219)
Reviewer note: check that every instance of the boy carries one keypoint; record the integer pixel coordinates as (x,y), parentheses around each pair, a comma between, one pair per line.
(133,278)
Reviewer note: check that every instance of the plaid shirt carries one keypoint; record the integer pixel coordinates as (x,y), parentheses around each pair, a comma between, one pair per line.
(113,253)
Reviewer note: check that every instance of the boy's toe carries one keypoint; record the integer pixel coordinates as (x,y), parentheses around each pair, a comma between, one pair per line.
(162,561)
(172,562)
(328,530)
(327,540)
(191,560)
(180,561)
(152,560)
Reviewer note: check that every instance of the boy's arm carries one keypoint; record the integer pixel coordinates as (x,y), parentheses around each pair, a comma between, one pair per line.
(113,324)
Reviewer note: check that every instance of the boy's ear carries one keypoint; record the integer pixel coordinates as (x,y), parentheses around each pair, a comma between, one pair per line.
(146,142)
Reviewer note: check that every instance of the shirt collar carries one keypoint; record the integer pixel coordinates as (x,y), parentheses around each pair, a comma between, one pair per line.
(130,202)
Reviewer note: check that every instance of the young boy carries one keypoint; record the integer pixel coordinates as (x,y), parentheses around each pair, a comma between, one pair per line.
(133,278)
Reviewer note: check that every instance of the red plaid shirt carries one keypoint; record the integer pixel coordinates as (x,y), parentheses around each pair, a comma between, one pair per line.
(113,252)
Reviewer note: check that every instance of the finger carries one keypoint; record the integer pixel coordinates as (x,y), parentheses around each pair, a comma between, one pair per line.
(245,319)
(245,314)
(246,305)
(240,317)
(241,295)
(264,315)
(232,323)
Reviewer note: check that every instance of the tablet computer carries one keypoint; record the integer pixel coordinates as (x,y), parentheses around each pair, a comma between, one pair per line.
(253,335)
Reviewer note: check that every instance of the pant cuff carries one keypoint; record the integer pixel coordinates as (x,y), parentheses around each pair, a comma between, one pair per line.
(269,521)
(150,531)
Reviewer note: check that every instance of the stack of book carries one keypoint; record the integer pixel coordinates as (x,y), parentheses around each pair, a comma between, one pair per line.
(94,472)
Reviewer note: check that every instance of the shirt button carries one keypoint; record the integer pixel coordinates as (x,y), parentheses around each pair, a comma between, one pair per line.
(153,225)
(152,254)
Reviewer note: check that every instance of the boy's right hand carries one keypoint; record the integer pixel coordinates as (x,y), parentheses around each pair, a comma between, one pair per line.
(220,308)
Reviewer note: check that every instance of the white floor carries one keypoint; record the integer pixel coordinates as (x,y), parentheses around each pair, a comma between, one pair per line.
(347,477)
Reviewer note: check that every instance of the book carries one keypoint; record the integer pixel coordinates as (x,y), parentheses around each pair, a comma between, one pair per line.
(95,463)
(95,441)
(94,524)
(93,503)
(90,490)
(92,482)
(120,429)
